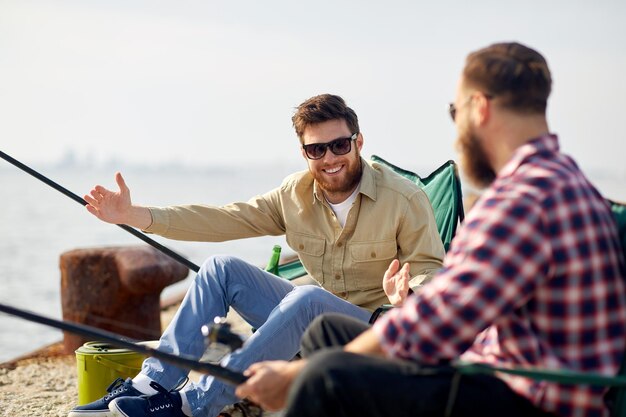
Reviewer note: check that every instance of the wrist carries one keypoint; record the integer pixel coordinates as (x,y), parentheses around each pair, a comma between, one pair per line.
(139,217)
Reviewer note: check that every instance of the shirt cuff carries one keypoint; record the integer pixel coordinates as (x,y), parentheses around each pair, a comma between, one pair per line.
(417,281)
(160,221)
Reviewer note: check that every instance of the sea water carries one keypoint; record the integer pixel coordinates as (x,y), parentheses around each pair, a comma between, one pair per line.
(38,224)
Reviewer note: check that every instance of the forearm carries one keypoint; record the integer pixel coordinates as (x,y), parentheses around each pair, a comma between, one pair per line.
(367,343)
(213,224)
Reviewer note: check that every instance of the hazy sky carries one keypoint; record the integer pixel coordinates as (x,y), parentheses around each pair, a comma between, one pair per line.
(215,82)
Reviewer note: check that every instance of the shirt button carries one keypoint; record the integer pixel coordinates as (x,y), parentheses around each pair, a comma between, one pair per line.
(343,294)
(301,246)
(339,244)
(337,276)
(373,254)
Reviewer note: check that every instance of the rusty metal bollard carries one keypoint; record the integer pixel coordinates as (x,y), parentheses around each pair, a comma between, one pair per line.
(116,289)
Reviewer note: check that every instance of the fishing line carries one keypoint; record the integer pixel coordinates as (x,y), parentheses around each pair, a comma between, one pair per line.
(82,202)
(219,372)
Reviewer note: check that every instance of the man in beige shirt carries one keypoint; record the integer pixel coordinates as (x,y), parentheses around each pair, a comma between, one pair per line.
(352,223)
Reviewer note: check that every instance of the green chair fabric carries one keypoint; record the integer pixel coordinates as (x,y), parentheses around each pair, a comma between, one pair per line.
(619,212)
(443,188)
(617,396)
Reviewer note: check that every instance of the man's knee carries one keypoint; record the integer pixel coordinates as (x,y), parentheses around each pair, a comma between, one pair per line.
(314,338)
(330,329)
(218,268)
(308,294)
(307,302)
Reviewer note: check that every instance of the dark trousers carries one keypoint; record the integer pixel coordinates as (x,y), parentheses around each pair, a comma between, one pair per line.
(337,383)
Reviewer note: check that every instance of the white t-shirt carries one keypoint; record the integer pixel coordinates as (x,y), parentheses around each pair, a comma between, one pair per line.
(342,209)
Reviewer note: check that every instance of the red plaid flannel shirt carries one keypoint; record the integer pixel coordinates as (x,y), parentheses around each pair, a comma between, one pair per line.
(534,278)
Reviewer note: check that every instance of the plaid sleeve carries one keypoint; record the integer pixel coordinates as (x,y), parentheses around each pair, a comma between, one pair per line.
(492,268)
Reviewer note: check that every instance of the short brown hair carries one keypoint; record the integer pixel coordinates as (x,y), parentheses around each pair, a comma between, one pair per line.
(512,71)
(320,109)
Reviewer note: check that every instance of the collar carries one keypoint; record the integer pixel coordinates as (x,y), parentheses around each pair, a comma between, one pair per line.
(367,186)
(546,143)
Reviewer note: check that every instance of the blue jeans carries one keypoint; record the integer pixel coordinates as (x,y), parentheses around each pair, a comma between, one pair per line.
(278,310)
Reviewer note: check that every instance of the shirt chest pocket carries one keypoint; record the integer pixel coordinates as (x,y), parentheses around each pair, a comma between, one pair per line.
(310,249)
(370,260)
(373,251)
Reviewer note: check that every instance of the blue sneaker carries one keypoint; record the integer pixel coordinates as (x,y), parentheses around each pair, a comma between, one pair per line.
(163,404)
(100,408)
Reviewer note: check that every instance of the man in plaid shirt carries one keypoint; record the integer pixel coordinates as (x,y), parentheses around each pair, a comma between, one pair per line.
(534,278)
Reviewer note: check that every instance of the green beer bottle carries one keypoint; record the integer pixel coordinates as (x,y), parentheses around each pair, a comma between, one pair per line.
(272,265)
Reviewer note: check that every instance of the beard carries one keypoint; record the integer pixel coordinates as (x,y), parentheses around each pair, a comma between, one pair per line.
(351,178)
(474,162)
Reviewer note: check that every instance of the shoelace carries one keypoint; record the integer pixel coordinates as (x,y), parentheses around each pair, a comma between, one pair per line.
(116,387)
(181,384)
(164,399)
(119,385)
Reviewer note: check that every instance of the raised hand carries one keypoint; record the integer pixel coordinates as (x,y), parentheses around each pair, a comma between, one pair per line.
(396,282)
(116,206)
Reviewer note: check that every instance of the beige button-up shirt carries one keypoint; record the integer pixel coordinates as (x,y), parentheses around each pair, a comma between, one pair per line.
(390,218)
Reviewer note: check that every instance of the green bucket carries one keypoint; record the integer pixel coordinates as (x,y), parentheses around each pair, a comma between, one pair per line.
(98,364)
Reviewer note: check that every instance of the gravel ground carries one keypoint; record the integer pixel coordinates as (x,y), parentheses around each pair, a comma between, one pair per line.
(39,386)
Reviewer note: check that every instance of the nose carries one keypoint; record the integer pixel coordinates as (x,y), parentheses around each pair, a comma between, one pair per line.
(329,156)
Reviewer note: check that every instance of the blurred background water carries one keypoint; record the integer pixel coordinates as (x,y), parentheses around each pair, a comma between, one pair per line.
(38,224)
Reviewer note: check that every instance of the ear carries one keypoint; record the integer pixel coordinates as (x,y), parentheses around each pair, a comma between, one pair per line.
(359,141)
(303,153)
(481,109)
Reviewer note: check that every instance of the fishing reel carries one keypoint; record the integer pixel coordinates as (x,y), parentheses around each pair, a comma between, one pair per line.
(220,333)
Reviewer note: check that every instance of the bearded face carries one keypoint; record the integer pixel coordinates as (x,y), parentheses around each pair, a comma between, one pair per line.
(346,181)
(336,175)
(474,161)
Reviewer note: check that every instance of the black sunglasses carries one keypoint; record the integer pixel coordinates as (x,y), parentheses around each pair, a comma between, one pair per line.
(452,111)
(339,146)
(452,108)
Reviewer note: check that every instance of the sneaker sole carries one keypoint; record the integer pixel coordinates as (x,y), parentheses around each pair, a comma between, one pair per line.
(114,411)
(87,413)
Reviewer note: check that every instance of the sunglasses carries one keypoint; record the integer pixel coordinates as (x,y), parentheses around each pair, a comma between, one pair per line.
(339,146)
(452,111)
(452,108)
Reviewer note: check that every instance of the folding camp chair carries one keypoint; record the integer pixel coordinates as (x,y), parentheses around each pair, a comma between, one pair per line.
(616,398)
(443,188)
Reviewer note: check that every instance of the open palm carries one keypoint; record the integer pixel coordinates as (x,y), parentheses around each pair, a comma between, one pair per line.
(110,206)
(396,282)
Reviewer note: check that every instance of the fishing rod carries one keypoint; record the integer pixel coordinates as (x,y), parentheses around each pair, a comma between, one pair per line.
(82,202)
(219,372)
